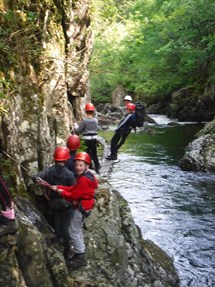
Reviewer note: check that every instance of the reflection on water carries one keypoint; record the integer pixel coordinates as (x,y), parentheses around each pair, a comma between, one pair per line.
(173,208)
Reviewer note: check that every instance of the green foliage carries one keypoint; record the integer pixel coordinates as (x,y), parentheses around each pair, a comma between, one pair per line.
(9,173)
(21,41)
(156,48)
(17,25)
(22,31)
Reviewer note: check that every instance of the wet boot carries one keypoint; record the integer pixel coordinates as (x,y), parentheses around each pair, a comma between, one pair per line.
(68,253)
(7,226)
(79,259)
(111,157)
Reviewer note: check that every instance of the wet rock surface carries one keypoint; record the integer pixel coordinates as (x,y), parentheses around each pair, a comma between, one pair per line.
(200,153)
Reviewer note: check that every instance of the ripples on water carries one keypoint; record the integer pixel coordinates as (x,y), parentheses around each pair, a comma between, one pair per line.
(173,208)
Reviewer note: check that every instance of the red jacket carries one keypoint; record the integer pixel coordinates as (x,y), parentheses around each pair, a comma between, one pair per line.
(82,191)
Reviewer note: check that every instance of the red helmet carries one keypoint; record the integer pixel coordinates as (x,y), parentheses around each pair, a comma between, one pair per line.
(131,106)
(61,153)
(83,156)
(89,107)
(73,142)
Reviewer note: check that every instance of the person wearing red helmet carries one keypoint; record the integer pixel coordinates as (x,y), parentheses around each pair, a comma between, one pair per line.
(81,195)
(73,143)
(59,210)
(123,130)
(88,128)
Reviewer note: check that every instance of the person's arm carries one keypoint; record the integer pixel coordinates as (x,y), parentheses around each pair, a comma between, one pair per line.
(63,188)
(80,128)
(74,192)
(97,124)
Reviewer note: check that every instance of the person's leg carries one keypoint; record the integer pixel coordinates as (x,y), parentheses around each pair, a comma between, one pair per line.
(94,155)
(5,196)
(114,145)
(8,224)
(125,134)
(79,258)
(67,240)
(76,232)
(57,224)
(88,149)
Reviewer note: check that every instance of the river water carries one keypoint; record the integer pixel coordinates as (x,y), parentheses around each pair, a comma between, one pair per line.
(173,208)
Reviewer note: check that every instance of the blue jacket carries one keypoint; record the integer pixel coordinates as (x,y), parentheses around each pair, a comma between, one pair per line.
(129,121)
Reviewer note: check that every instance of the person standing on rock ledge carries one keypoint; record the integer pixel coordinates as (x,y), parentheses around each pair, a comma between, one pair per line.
(81,196)
(59,210)
(123,130)
(89,130)
(8,223)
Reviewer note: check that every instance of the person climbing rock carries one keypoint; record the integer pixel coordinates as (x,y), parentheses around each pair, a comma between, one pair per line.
(89,129)
(123,130)
(8,222)
(81,196)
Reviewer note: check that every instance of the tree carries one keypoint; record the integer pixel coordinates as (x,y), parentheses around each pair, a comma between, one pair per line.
(156,48)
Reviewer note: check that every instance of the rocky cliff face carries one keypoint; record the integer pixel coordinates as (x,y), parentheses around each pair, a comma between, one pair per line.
(187,104)
(200,153)
(44,76)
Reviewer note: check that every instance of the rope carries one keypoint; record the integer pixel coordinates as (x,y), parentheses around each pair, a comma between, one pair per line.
(37,179)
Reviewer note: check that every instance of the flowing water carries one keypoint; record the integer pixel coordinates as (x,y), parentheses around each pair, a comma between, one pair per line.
(173,208)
